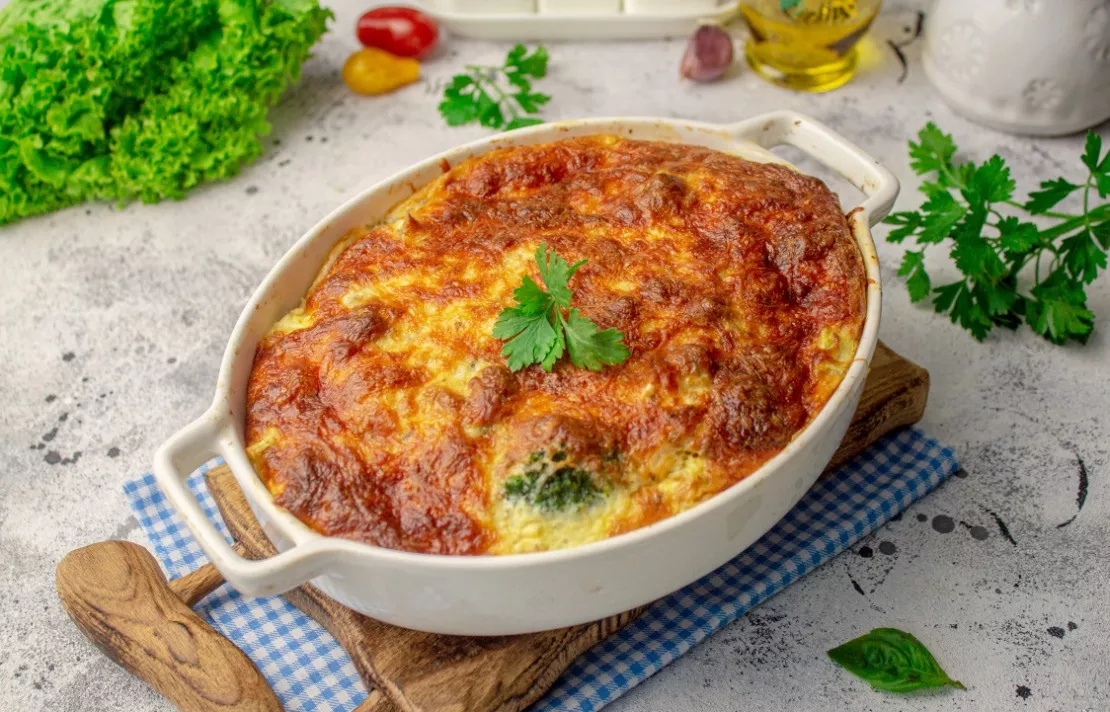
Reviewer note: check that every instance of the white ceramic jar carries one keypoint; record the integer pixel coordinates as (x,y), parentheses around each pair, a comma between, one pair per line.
(1039,67)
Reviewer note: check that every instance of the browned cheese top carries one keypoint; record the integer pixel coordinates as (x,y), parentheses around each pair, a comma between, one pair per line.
(382,409)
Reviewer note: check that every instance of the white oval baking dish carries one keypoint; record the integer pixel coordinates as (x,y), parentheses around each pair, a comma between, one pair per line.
(499,595)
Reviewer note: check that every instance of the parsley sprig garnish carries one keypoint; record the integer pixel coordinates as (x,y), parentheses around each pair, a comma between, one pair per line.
(1013,269)
(497,97)
(543,325)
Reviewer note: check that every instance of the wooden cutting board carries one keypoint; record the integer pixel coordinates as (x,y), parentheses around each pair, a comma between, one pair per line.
(412,671)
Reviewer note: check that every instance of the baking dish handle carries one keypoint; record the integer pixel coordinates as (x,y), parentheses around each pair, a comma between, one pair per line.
(181,455)
(829,148)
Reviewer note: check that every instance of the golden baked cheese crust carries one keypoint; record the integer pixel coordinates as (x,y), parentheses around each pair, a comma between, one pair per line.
(382,410)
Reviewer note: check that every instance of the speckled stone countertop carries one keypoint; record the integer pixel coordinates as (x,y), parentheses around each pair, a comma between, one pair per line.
(114,321)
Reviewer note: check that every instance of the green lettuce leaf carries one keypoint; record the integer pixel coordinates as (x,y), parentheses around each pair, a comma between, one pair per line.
(139,99)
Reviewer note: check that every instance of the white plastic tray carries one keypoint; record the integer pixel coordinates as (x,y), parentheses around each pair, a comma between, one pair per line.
(637,20)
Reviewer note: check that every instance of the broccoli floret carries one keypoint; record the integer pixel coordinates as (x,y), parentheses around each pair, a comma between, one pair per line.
(555,490)
(521,486)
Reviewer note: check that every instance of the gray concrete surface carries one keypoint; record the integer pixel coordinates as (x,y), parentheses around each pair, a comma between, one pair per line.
(114,321)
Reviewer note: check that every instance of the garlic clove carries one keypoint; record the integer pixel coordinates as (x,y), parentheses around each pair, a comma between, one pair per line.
(708,54)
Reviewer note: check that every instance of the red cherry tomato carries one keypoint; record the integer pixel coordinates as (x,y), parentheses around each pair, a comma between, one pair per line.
(402,31)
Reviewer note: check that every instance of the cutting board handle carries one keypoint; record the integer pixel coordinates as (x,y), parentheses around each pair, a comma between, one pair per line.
(118,597)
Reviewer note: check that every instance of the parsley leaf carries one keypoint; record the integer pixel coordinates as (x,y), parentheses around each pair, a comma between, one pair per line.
(1052,192)
(556,273)
(537,331)
(909,223)
(934,152)
(977,258)
(892,660)
(991,183)
(959,302)
(531,337)
(532,298)
(1017,237)
(553,355)
(520,122)
(519,62)
(589,346)
(1083,257)
(1101,233)
(1013,270)
(1058,309)
(1091,151)
(497,97)
(456,108)
(997,298)
(913,267)
(941,213)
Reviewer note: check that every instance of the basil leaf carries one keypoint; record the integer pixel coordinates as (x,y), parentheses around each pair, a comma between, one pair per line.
(892,660)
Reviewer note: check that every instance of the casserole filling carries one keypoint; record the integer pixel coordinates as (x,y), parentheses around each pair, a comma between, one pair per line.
(382,410)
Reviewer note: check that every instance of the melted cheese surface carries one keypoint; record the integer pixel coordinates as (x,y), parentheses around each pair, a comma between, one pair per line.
(381,409)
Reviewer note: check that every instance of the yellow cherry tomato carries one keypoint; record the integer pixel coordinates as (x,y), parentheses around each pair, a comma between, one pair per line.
(375,71)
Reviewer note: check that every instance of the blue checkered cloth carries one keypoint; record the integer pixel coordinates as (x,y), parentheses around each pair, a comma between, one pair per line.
(309,671)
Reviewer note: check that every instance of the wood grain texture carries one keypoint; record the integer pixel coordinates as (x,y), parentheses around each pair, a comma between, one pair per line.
(118,597)
(412,671)
(194,586)
(894,396)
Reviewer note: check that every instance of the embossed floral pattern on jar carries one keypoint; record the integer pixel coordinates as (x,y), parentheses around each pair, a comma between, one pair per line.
(961,50)
(1097,40)
(1025,66)
(1043,95)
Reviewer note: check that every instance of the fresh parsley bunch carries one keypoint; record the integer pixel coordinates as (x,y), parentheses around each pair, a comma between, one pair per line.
(1014,269)
(497,97)
(543,324)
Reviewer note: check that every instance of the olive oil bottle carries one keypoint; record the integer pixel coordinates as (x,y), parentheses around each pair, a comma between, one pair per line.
(807,45)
